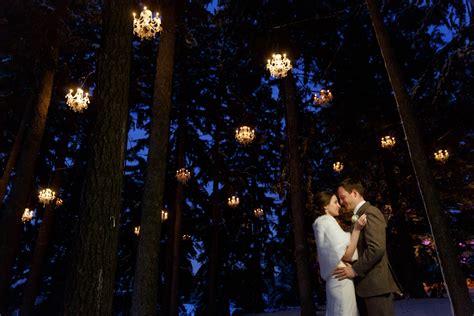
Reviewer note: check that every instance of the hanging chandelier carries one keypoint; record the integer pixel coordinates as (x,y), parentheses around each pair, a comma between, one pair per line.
(136,230)
(441,155)
(46,195)
(183,175)
(79,101)
(186,237)
(233,201)
(387,142)
(58,202)
(279,66)
(146,26)
(337,166)
(258,212)
(325,96)
(164,215)
(27,215)
(245,135)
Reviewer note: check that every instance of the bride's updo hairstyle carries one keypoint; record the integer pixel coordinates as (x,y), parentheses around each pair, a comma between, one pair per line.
(322,199)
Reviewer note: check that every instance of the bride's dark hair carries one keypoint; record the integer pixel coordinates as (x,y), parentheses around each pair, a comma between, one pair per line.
(322,199)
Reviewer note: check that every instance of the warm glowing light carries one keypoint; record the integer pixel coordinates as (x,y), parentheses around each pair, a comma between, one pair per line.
(245,135)
(146,26)
(387,142)
(164,215)
(441,155)
(258,212)
(325,96)
(45,196)
(59,202)
(337,166)
(186,237)
(27,215)
(279,66)
(233,201)
(136,230)
(79,101)
(183,175)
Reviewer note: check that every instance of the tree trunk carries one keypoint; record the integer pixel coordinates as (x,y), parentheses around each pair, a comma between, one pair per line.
(145,285)
(297,201)
(178,213)
(44,236)
(455,281)
(89,289)
(11,226)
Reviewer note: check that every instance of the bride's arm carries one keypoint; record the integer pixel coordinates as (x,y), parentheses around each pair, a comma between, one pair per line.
(354,238)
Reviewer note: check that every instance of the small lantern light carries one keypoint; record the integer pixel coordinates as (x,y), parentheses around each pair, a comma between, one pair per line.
(337,166)
(387,142)
(245,135)
(146,26)
(279,65)
(79,101)
(441,155)
(258,212)
(27,215)
(233,201)
(183,175)
(45,196)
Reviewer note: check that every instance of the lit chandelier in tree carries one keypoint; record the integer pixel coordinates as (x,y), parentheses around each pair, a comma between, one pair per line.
(183,175)
(441,155)
(79,101)
(59,202)
(136,230)
(27,215)
(279,65)
(244,135)
(233,201)
(337,166)
(325,96)
(387,142)
(258,212)
(46,195)
(186,237)
(146,26)
(164,215)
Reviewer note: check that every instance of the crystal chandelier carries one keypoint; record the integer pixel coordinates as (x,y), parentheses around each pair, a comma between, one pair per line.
(58,202)
(441,155)
(233,201)
(45,196)
(245,135)
(186,237)
(146,26)
(79,101)
(136,230)
(27,215)
(258,212)
(387,142)
(325,96)
(164,215)
(337,166)
(279,66)
(183,175)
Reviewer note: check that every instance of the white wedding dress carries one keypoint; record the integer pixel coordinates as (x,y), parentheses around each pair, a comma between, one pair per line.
(331,242)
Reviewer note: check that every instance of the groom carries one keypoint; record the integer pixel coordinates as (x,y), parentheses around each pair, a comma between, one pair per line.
(373,280)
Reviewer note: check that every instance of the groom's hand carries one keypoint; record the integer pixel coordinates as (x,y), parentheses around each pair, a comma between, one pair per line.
(345,272)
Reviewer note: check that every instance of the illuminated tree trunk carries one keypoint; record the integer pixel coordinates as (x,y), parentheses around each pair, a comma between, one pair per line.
(297,200)
(44,236)
(89,288)
(145,285)
(10,225)
(455,281)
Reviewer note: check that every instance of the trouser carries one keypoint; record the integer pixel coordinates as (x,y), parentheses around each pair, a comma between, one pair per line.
(380,305)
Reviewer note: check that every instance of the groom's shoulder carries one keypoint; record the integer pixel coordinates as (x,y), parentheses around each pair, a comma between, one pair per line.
(369,208)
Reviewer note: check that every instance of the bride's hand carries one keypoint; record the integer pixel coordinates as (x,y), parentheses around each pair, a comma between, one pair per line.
(361,222)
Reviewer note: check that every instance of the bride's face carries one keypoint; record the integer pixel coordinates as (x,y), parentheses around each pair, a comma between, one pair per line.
(333,207)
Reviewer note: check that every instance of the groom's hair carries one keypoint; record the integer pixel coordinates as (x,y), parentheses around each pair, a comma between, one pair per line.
(351,184)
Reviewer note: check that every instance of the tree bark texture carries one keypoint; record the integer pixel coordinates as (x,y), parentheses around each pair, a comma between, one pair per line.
(297,200)
(145,285)
(89,288)
(461,304)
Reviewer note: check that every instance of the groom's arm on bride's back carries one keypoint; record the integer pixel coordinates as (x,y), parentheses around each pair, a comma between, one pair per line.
(375,242)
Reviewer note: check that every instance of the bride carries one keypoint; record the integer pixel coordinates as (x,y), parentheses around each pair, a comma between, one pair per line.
(335,246)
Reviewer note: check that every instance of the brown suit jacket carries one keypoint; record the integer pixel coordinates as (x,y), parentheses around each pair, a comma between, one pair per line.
(374,275)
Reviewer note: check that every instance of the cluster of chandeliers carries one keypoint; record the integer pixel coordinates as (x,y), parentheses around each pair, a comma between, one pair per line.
(441,155)
(79,101)
(387,142)
(245,135)
(279,66)
(233,201)
(146,26)
(324,97)
(183,175)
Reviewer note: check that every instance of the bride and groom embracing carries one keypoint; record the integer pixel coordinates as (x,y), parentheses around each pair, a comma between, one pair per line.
(353,264)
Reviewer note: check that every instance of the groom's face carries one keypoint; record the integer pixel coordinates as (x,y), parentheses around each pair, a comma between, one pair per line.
(347,199)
